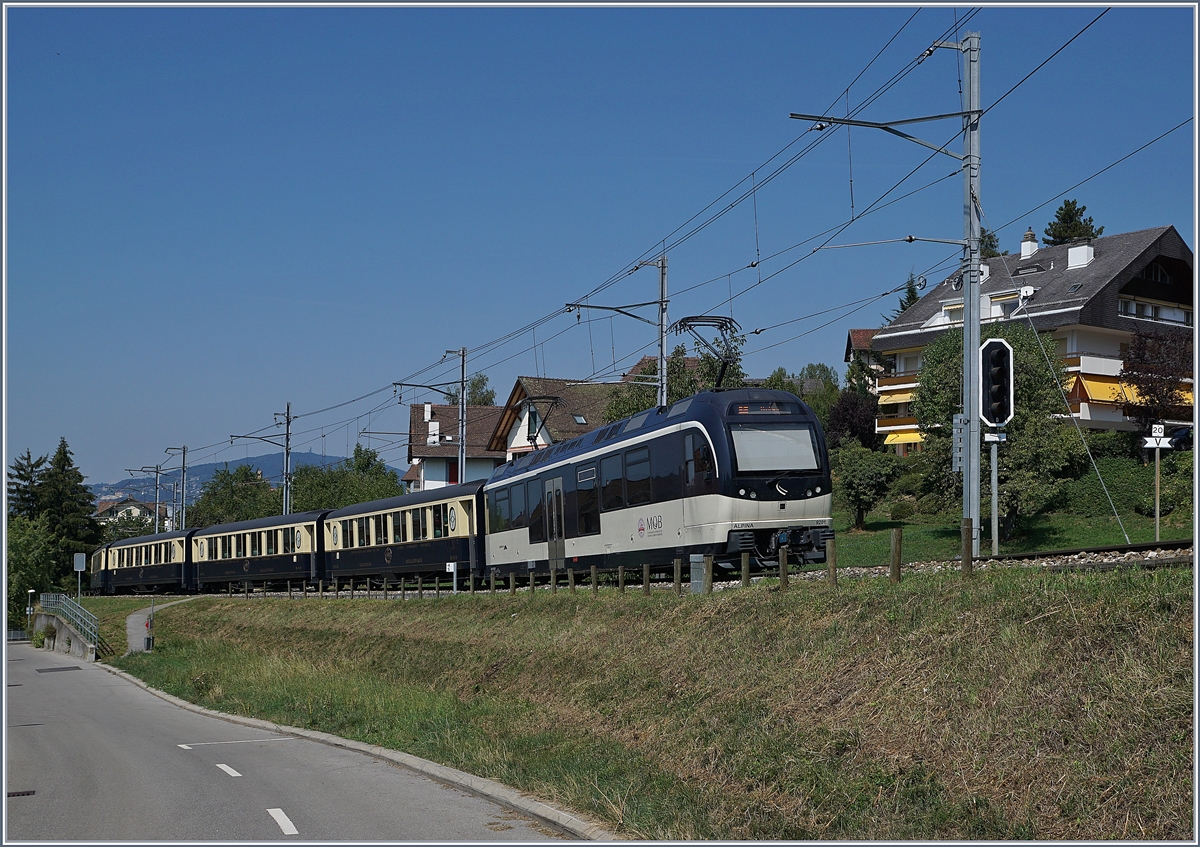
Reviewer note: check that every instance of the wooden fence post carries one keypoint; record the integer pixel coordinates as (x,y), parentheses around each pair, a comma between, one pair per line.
(831,561)
(646,578)
(708,574)
(595,587)
(492,582)
(783,569)
(896,538)
(420,587)
(553,578)
(512,583)
(745,569)
(678,577)
(289,589)
(571,579)
(621,578)
(321,589)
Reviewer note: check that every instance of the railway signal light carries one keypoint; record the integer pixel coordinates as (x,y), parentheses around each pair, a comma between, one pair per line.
(996,382)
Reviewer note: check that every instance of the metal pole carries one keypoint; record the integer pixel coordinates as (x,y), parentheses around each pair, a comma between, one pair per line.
(995,502)
(157,469)
(971,286)
(462,415)
(1157,453)
(662,330)
(287,461)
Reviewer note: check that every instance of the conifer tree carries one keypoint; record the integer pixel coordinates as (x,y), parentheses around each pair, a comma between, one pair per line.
(1069,224)
(69,508)
(24,479)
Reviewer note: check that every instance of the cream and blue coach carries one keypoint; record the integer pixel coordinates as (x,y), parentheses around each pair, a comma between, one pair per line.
(396,537)
(146,564)
(275,549)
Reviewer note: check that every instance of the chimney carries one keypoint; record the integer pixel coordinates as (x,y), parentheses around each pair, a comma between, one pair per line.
(1028,244)
(1080,255)
(428,412)
(984,271)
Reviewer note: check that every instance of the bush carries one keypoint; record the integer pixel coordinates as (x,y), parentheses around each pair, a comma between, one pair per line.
(1128,481)
(904,509)
(1111,444)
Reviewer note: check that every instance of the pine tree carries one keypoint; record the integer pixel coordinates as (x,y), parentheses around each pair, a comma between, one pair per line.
(911,296)
(69,508)
(1069,224)
(989,244)
(23,482)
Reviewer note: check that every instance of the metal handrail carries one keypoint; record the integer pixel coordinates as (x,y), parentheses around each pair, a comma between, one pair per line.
(83,620)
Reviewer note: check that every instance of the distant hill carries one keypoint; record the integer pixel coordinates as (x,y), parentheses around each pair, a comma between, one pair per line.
(270,464)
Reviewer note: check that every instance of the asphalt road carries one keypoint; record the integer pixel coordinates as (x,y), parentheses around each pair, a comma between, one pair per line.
(105,760)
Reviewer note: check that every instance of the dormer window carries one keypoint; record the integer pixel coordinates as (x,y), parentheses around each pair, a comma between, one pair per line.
(953,312)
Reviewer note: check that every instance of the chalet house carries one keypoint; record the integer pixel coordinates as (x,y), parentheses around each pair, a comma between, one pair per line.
(433,445)
(542,411)
(1090,295)
(129,507)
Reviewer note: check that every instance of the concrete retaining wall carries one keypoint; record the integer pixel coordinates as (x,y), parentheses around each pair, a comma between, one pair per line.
(65,638)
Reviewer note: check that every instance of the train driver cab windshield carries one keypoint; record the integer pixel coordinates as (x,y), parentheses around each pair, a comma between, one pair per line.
(768,446)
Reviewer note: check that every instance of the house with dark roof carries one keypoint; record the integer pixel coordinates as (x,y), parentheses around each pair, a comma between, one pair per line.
(110,511)
(1090,295)
(433,445)
(541,411)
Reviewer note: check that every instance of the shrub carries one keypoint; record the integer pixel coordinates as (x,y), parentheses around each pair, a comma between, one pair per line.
(904,509)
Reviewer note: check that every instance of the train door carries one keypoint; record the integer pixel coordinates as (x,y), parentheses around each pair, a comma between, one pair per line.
(556,544)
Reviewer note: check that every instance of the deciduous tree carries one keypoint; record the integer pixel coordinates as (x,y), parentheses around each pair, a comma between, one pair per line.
(30,553)
(862,478)
(1155,367)
(478,393)
(361,478)
(232,496)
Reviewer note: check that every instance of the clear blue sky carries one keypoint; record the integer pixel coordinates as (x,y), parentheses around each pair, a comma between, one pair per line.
(212,212)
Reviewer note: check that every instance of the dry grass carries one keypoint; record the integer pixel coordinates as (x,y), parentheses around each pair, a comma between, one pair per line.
(1020,704)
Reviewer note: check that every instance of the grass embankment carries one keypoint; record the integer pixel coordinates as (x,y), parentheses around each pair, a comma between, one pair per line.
(1017,704)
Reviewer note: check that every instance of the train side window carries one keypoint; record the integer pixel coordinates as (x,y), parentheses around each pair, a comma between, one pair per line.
(381,534)
(517,502)
(398,533)
(420,524)
(537,526)
(612,484)
(225,547)
(697,459)
(637,476)
(587,501)
(361,538)
(270,545)
(439,520)
(499,513)
(255,544)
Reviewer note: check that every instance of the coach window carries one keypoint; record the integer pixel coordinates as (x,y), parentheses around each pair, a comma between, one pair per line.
(381,535)
(587,500)
(288,539)
(612,486)
(255,544)
(420,524)
(516,500)
(537,526)
(361,532)
(439,520)
(498,510)
(225,547)
(637,476)
(240,542)
(271,535)
(398,529)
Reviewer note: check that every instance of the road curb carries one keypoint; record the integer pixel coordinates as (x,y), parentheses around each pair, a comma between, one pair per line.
(481,786)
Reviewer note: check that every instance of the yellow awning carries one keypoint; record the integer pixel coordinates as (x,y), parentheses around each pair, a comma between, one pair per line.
(1110,389)
(904,438)
(895,397)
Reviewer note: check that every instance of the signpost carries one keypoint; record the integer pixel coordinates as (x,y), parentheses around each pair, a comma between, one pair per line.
(80,567)
(1159,443)
(452,567)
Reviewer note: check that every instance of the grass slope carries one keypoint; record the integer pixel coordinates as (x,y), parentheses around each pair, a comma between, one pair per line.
(1017,704)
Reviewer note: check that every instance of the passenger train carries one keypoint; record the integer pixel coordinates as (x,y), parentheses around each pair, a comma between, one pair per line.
(720,473)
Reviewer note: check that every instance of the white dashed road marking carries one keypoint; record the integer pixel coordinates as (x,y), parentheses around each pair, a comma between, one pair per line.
(286,825)
(247,741)
(229,770)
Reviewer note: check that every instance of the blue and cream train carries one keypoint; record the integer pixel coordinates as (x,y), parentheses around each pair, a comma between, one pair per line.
(719,473)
